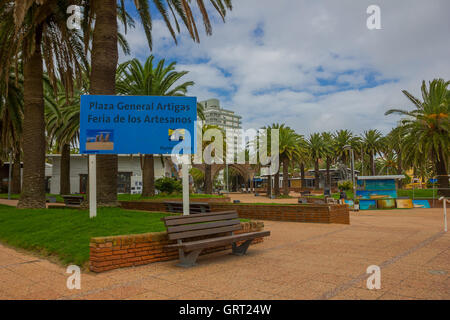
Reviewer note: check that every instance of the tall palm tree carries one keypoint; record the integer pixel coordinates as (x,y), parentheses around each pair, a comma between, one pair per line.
(427,128)
(150,80)
(11,118)
(388,162)
(329,153)
(103,14)
(343,138)
(289,152)
(316,148)
(303,158)
(62,114)
(372,140)
(36,31)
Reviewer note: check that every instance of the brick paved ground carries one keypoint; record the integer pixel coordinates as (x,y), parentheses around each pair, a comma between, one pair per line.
(299,261)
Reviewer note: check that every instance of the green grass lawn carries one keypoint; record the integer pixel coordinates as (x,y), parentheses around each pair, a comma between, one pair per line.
(17,196)
(418,193)
(66,233)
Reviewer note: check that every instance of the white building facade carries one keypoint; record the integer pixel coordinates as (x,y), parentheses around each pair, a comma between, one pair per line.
(227,120)
(129,172)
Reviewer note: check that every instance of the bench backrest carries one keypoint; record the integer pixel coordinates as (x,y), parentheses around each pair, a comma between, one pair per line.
(76,200)
(202,224)
(194,207)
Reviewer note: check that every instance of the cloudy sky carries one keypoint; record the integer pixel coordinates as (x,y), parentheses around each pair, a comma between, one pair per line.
(312,64)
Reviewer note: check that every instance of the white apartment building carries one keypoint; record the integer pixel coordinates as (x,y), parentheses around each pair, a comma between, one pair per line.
(224,119)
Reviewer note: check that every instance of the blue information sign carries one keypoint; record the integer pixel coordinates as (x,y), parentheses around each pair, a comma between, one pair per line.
(137,124)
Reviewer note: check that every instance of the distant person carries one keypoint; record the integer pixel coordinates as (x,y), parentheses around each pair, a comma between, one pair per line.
(343,195)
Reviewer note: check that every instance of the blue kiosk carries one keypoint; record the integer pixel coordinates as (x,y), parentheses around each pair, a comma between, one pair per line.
(377,192)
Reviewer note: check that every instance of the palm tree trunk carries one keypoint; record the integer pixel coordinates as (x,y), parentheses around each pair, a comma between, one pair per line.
(148,176)
(64,179)
(316,174)
(372,163)
(328,182)
(16,179)
(208,179)
(33,191)
(399,169)
(302,175)
(269,185)
(276,184)
(103,77)
(286,177)
(442,174)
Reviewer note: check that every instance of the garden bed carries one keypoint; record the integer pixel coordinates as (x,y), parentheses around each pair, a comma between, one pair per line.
(66,233)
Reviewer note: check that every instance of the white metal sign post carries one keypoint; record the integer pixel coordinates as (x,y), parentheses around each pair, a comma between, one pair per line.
(444,205)
(185,180)
(92,186)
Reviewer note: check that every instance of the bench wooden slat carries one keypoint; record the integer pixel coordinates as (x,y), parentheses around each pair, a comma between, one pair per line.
(194,203)
(219,241)
(200,226)
(202,219)
(204,232)
(209,214)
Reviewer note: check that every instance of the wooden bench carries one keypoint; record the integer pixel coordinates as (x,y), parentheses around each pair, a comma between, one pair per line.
(73,201)
(217,226)
(194,207)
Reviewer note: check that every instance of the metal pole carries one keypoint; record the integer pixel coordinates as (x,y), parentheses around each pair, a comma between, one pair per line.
(353,179)
(9,176)
(362,161)
(185,180)
(445,214)
(228,188)
(444,205)
(92,186)
(434,195)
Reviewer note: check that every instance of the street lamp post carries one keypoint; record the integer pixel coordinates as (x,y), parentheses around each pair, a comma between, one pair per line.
(9,175)
(353,172)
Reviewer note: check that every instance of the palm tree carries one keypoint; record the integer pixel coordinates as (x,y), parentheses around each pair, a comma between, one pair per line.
(32,32)
(316,148)
(289,151)
(395,141)
(150,80)
(427,128)
(62,114)
(104,56)
(329,153)
(11,118)
(372,140)
(388,162)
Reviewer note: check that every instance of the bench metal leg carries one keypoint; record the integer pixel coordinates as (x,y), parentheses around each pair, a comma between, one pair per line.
(188,260)
(242,249)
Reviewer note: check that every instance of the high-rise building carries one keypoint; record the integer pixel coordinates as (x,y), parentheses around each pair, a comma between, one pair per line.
(215,115)
(225,119)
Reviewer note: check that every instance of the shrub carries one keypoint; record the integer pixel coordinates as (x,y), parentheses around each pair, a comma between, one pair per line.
(168,185)
(345,185)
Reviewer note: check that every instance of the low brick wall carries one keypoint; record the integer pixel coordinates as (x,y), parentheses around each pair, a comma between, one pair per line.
(108,253)
(315,213)
(330,213)
(158,205)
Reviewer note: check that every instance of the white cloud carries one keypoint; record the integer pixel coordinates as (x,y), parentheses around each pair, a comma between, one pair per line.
(274,77)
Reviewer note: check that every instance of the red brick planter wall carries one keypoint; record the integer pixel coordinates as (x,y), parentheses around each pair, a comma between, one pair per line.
(333,213)
(107,253)
(158,205)
(315,213)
